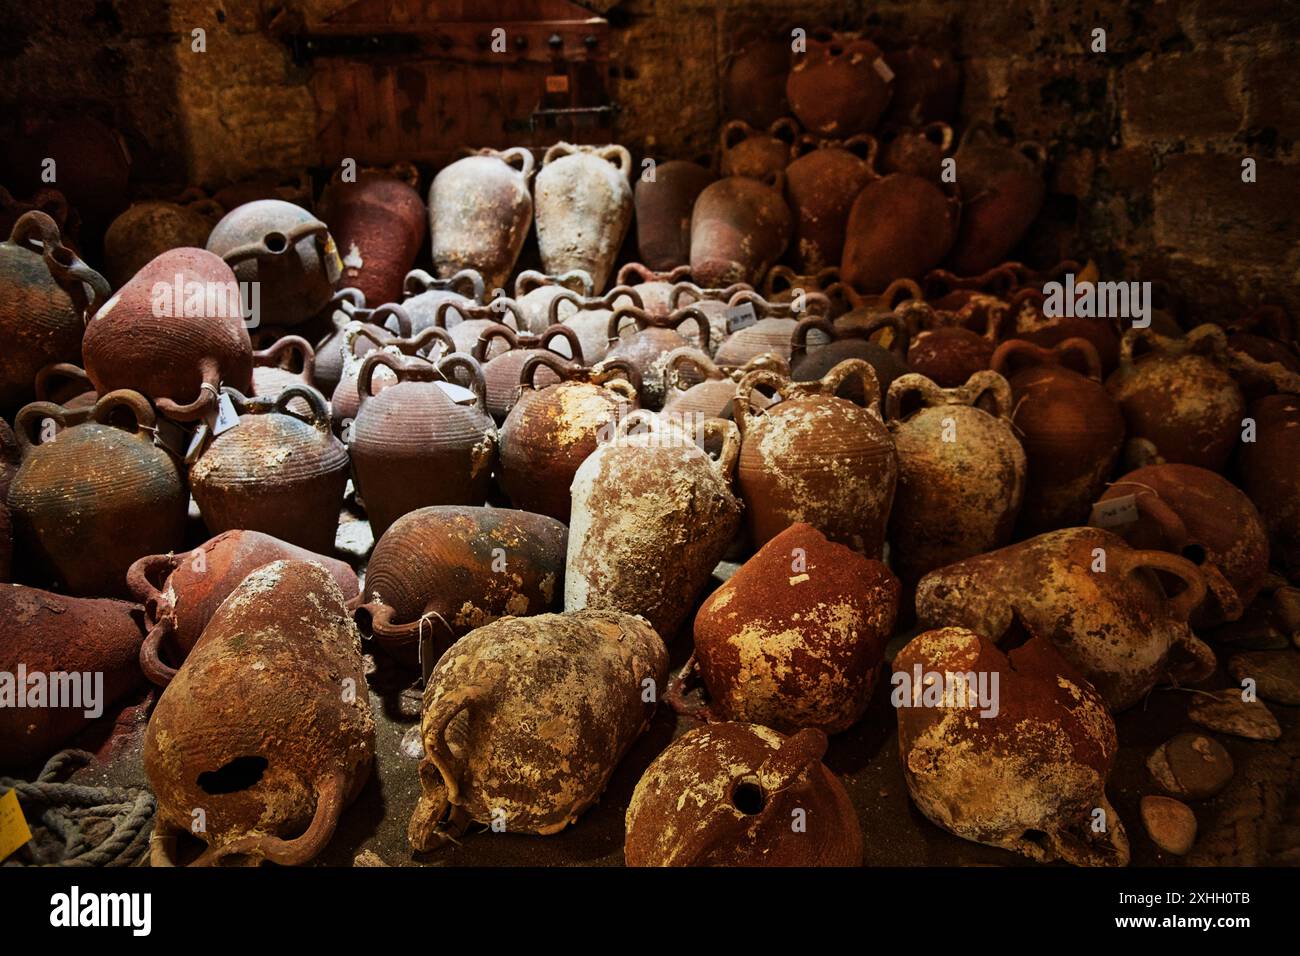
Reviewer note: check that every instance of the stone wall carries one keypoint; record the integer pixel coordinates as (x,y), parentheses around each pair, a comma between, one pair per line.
(1146,139)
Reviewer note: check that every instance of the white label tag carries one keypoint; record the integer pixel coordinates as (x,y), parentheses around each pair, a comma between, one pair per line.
(1115,511)
(227,417)
(174,437)
(200,439)
(882,68)
(457,393)
(741,316)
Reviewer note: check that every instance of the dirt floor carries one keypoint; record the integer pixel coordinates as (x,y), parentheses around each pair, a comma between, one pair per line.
(1255,821)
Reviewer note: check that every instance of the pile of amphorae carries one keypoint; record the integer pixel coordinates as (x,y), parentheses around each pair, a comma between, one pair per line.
(822,368)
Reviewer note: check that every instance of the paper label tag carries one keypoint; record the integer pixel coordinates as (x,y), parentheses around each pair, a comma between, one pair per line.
(1115,511)
(14,831)
(457,393)
(883,70)
(557,83)
(201,435)
(333,264)
(227,417)
(741,316)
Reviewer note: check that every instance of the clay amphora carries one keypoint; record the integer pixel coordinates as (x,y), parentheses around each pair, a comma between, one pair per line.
(584,206)
(151,227)
(378,222)
(648,346)
(739,227)
(663,213)
(899,227)
(1002,190)
(756,153)
(821,182)
(480,210)
(840,86)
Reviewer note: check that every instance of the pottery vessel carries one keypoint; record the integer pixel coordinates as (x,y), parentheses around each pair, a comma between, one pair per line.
(443,571)
(795,638)
(821,182)
(480,210)
(581,676)
(378,222)
(840,85)
(961,472)
(982,776)
(551,430)
(756,153)
(900,226)
(652,516)
(44,304)
(286,251)
(712,394)
(1270,472)
(651,341)
(739,227)
(724,795)
(501,374)
(1002,190)
(151,227)
(45,633)
(1098,601)
(534,292)
(153,336)
(1070,428)
(277,471)
(425,440)
(93,497)
(812,457)
(266,727)
(663,212)
(584,207)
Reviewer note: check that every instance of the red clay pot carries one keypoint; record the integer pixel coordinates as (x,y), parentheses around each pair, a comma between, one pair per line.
(663,213)
(651,342)
(900,226)
(840,86)
(1002,190)
(756,153)
(151,227)
(501,374)
(378,222)
(181,591)
(49,634)
(821,182)
(739,227)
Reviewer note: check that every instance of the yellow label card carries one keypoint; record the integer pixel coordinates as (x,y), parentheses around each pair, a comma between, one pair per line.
(13,825)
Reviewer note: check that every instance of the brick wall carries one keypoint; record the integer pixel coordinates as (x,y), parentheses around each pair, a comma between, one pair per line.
(1146,139)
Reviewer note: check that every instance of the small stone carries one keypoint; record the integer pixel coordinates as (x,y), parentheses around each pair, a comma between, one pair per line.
(1227,713)
(1191,765)
(1170,823)
(368,858)
(1276,674)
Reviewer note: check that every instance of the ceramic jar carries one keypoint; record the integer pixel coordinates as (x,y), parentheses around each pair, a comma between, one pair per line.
(961,472)
(275,472)
(1070,428)
(712,396)
(501,374)
(773,331)
(584,207)
(181,591)
(266,726)
(840,85)
(581,676)
(424,440)
(477,319)
(756,153)
(725,794)
(590,317)
(1178,395)
(714,303)
(850,341)
(739,227)
(900,226)
(918,151)
(43,304)
(821,182)
(663,212)
(154,337)
(1097,600)
(272,373)
(1195,513)
(552,429)
(480,210)
(795,638)
(534,292)
(971,767)
(48,633)
(816,458)
(151,227)
(650,343)
(445,570)
(286,251)
(360,340)
(424,294)
(1002,190)
(378,222)
(654,288)
(652,516)
(88,502)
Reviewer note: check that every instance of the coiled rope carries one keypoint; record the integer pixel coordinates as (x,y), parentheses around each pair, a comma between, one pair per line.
(76,825)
